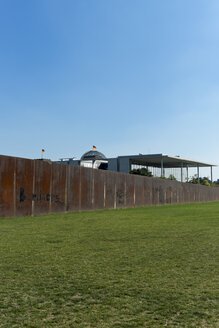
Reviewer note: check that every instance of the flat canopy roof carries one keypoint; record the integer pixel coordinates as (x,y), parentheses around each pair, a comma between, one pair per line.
(155,160)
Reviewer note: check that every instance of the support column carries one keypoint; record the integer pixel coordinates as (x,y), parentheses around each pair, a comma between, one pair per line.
(187,173)
(161,166)
(181,172)
(211,175)
(198,172)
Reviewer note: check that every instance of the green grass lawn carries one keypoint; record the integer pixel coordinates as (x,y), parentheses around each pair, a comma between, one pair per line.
(145,267)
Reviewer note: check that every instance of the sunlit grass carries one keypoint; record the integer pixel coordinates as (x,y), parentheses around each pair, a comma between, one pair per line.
(145,267)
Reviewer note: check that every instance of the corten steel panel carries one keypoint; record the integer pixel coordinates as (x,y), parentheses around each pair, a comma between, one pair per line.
(139,190)
(120,190)
(130,188)
(155,191)
(87,186)
(202,194)
(197,197)
(174,197)
(42,193)
(169,194)
(192,193)
(99,180)
(24,186)
(165,191)
(162,192)
(174,192)
(210,195)
(195,193)
(179,192)
(199,194)
(215,194)
(147,191)
(183,193)
(59,188)
(206,194)
(189,194)
(73,188)
(7,185)
(110,187)
(186,192)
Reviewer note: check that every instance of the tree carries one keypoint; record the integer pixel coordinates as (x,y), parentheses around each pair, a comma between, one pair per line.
(171,177)
(143,171)
(203,181)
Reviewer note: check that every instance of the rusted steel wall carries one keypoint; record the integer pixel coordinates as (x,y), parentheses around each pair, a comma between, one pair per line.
(7,186)
(32,187)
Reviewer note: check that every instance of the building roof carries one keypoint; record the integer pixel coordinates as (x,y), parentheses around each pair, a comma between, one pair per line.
(168,161)
(92,155)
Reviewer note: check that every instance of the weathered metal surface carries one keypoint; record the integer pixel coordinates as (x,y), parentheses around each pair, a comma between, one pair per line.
(139,191)
(110,189)
(59,188)
(169,194)
(87,185)
(74,189)
(42,190)
(185,193)
(7,186)
(31,187)
(155,191)
(98,189)
(120,190)
(130,190)
(175,196)
(24,186)
(147,191)
(162,192)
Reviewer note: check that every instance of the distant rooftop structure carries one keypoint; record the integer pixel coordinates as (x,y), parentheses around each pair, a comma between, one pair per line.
(162,162)
(92,155)
(92,158)
(158,160)
(125,163)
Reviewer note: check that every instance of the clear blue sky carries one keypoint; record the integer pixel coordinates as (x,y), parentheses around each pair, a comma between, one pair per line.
(126,76)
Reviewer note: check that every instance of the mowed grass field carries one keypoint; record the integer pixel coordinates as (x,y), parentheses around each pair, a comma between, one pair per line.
(144,267)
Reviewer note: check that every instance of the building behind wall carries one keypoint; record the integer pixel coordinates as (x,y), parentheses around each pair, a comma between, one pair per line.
(92,158)
(159,164)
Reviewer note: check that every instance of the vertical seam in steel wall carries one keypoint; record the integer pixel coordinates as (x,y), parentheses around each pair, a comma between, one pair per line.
(92,189)
(14,187)
(104,191)
(177,196)
(50,190)
(142,197)
(125,192)
(66,187)
(79,205)
(115,191)
(134,194)
(33,189)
